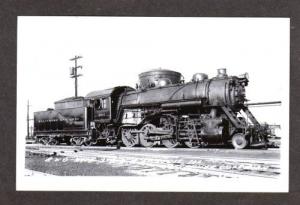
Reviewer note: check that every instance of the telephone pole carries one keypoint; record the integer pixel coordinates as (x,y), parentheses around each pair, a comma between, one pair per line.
(73,73)
(28,119)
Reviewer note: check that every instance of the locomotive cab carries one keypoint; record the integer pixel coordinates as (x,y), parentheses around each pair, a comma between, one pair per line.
(105,103)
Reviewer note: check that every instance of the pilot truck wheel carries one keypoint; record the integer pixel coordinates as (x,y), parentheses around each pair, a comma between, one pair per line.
(239,141)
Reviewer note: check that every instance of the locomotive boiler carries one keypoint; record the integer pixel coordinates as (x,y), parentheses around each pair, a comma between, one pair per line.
(201,112)
(164,110)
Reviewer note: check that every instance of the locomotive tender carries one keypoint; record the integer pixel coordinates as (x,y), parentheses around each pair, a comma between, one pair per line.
(161,110)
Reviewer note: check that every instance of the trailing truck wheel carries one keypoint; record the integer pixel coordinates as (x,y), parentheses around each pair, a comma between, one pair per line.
(239,141)
(128,139)
(145,134)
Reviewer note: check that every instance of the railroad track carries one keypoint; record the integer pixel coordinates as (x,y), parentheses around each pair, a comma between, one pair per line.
(167,162)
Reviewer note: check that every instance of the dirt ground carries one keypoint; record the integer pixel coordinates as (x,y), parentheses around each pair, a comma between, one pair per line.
(74,161)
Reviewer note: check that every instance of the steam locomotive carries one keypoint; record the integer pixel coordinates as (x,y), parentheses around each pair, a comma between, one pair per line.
(162,110)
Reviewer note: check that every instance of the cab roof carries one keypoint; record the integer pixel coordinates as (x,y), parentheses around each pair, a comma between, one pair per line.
(107,92)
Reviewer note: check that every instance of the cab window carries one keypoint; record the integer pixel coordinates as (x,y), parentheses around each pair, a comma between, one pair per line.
(97,104)
(101,103)
(104,103)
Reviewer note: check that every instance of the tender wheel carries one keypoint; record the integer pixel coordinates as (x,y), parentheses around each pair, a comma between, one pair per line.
(145,134)
(44,140)
(76,141)
(68,141)
(87,142)
(53,141)
(239,141)
(168,123)
(128,139)
(93,142)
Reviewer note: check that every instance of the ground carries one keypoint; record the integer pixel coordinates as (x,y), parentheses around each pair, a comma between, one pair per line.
(182,162)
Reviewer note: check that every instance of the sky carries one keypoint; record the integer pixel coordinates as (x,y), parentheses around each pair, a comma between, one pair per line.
(116,49)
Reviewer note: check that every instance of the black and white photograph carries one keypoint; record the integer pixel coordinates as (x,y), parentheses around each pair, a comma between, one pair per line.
(180,104)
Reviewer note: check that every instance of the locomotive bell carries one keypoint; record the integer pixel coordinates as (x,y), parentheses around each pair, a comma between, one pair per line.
(197,77)
(222,73)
